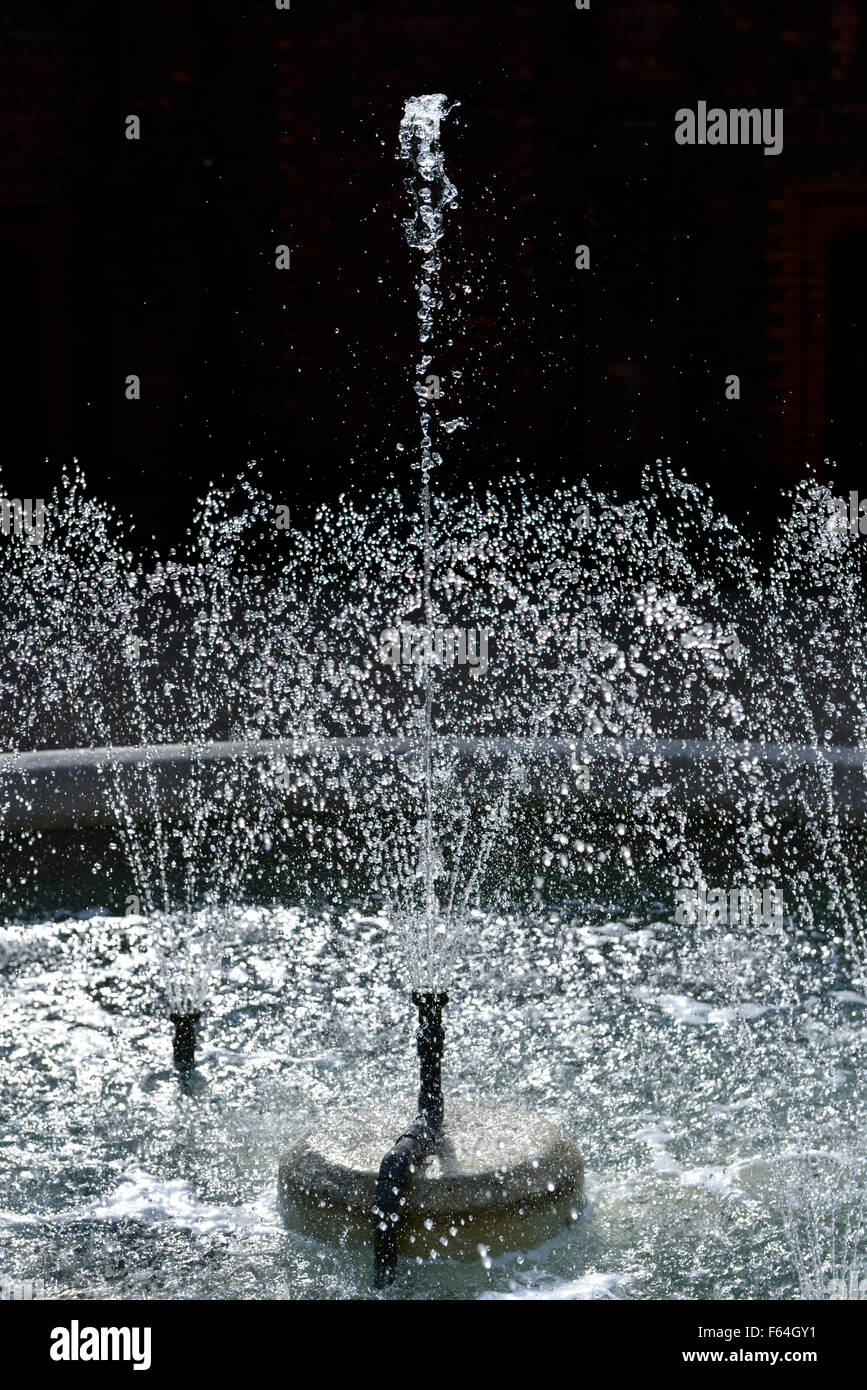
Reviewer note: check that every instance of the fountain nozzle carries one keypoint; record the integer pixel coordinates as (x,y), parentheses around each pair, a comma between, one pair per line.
(184,1044)
(430,1040)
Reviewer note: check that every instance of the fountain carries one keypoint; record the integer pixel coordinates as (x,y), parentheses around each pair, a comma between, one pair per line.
(442,1174)
(518,765)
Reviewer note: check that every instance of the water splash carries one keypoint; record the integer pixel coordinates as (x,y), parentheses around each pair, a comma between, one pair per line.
(671,704)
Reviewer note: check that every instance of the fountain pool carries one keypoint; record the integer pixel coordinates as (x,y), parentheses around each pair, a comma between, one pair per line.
(119,1184)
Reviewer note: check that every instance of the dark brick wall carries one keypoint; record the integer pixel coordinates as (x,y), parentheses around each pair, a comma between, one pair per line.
(259,127)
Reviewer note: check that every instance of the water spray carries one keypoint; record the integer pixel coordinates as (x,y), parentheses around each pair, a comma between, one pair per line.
(431,193)
(492,1177)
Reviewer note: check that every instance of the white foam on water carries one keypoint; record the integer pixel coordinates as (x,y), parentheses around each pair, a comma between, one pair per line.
(587,1288)
(684,1009)
(720,1180)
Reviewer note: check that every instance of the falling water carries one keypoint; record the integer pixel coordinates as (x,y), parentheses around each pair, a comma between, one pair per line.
(670,705)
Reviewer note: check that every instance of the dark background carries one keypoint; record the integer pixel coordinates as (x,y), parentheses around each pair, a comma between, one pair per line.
(262,127)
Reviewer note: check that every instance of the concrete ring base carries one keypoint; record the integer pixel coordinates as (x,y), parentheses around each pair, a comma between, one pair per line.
(500,1178)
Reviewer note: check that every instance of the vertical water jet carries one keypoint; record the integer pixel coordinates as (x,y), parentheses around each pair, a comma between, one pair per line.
(491,1178)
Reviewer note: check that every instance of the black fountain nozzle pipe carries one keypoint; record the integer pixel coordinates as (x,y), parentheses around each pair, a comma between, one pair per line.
(415,1143)
(184,1043)
(430,1040)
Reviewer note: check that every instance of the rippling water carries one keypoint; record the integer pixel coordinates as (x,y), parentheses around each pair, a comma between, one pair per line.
(117,1183)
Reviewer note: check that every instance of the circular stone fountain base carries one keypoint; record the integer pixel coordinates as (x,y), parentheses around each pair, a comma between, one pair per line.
(499,1178)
